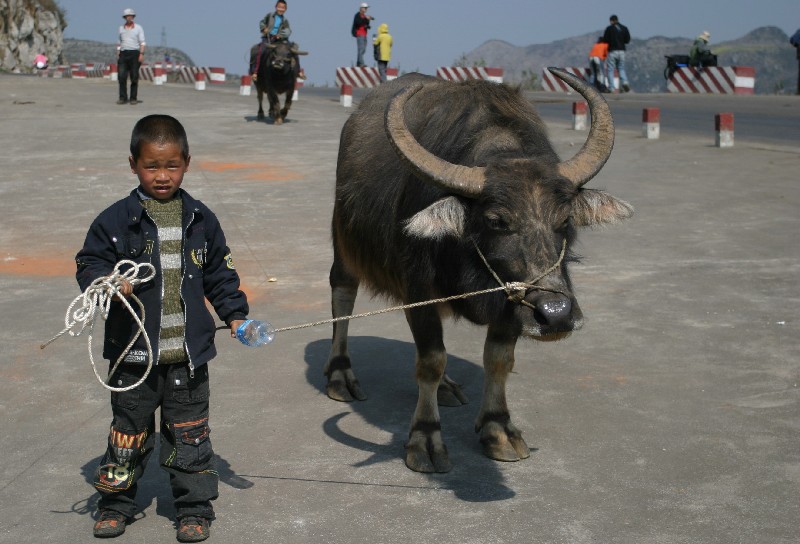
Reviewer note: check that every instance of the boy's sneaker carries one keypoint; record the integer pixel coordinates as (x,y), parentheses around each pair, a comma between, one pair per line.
(626,88)
(110,524)
(193,529)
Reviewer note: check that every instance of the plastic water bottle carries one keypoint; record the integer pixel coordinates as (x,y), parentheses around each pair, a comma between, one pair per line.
(255,333)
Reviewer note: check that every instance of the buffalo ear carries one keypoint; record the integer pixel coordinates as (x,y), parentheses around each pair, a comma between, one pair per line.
(593,207)
(445,217)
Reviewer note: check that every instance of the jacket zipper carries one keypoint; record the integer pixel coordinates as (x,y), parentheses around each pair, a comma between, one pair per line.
(183,273)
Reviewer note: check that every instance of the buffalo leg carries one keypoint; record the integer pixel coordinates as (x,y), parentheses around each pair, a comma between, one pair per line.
(287,104)
(342,383)
(425,449)
(260,104)
(275,107)
(500,439)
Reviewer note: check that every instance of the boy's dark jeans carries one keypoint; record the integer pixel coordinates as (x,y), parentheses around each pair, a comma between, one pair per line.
(186,452)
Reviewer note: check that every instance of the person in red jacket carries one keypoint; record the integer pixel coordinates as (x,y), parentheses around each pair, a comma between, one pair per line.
(360,31)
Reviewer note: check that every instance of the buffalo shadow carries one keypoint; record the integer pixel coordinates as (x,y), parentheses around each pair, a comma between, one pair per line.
(385,369)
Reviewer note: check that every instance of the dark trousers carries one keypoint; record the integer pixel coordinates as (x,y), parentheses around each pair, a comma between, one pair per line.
(186,452)
(128,65)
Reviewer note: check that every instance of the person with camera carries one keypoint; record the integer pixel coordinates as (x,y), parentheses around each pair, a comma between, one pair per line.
(360,31)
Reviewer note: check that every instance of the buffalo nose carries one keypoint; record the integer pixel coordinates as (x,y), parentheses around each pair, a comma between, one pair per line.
(555,310)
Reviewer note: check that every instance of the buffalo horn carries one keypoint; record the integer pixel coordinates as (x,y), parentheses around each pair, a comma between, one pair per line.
(597,148)
(455,178)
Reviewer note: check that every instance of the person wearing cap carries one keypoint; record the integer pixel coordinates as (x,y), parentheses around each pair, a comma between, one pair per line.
(700,54)
(130,54)
(360,31)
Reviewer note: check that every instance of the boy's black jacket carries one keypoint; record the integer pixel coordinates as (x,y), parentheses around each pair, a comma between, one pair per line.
(124,231)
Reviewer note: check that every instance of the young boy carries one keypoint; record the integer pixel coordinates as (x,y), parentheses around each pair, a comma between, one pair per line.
(159,223)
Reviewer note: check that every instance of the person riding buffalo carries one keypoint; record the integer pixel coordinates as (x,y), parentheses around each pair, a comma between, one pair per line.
(274,28)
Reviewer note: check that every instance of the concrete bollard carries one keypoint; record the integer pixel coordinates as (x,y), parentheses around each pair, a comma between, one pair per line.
(297,86)
(580,116)
(159,75)
(244,87)
(346,96)
(200,81)
(723,123)
(651,123)
(114,72)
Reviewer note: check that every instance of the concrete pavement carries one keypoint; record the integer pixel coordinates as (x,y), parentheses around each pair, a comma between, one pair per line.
(672,417)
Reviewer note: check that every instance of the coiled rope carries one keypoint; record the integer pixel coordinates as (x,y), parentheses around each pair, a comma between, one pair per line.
(96,301)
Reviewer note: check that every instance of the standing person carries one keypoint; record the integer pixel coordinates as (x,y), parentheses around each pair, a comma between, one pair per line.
(383,41)
(360,31)
(597,59)
(795,41)
(130,54)
(616,36)
(274,27)
(700,54)
(159,223)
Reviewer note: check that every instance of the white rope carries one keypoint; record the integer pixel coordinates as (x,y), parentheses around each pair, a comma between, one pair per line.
(96,300)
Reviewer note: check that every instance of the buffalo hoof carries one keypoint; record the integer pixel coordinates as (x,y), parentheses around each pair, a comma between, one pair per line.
(503,443)
(420,459)
(449,393)
(278,121)
(344,390)
(260,116)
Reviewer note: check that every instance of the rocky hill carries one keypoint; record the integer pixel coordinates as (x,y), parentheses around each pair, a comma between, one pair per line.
(92,51)
(27,28)
(767,49)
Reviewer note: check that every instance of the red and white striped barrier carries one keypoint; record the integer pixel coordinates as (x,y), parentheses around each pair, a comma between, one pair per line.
(297,86)
(713,80)
(113,72)
(723,124)
(200,81)
(159,75)
(554,85)
(463,73)
(651,123)
(245,86)
(215,75)
(188,74)
(346,95)
(362,77)
(580,115)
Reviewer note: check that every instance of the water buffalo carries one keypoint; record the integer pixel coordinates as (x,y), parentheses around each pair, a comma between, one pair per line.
(445,188)
(276,73)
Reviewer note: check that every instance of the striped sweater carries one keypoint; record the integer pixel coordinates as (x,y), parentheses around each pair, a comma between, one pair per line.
(167,217)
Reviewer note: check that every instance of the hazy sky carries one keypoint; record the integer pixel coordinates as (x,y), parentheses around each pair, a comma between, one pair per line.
(427,34)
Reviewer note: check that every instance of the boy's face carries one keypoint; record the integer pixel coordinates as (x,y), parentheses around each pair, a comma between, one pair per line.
(160,169)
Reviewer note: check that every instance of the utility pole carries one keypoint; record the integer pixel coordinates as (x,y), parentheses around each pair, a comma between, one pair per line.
(163,37)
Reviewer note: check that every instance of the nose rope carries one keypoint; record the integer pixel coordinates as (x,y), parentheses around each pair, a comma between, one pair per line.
(516,291)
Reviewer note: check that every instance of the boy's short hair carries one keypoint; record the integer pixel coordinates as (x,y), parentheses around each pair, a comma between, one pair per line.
(158,128)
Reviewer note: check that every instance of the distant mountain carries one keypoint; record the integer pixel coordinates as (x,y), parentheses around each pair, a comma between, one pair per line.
(766,49)
(91,51)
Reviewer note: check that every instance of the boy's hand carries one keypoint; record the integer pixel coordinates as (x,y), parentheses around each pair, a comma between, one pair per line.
(125,289)
(235,325)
